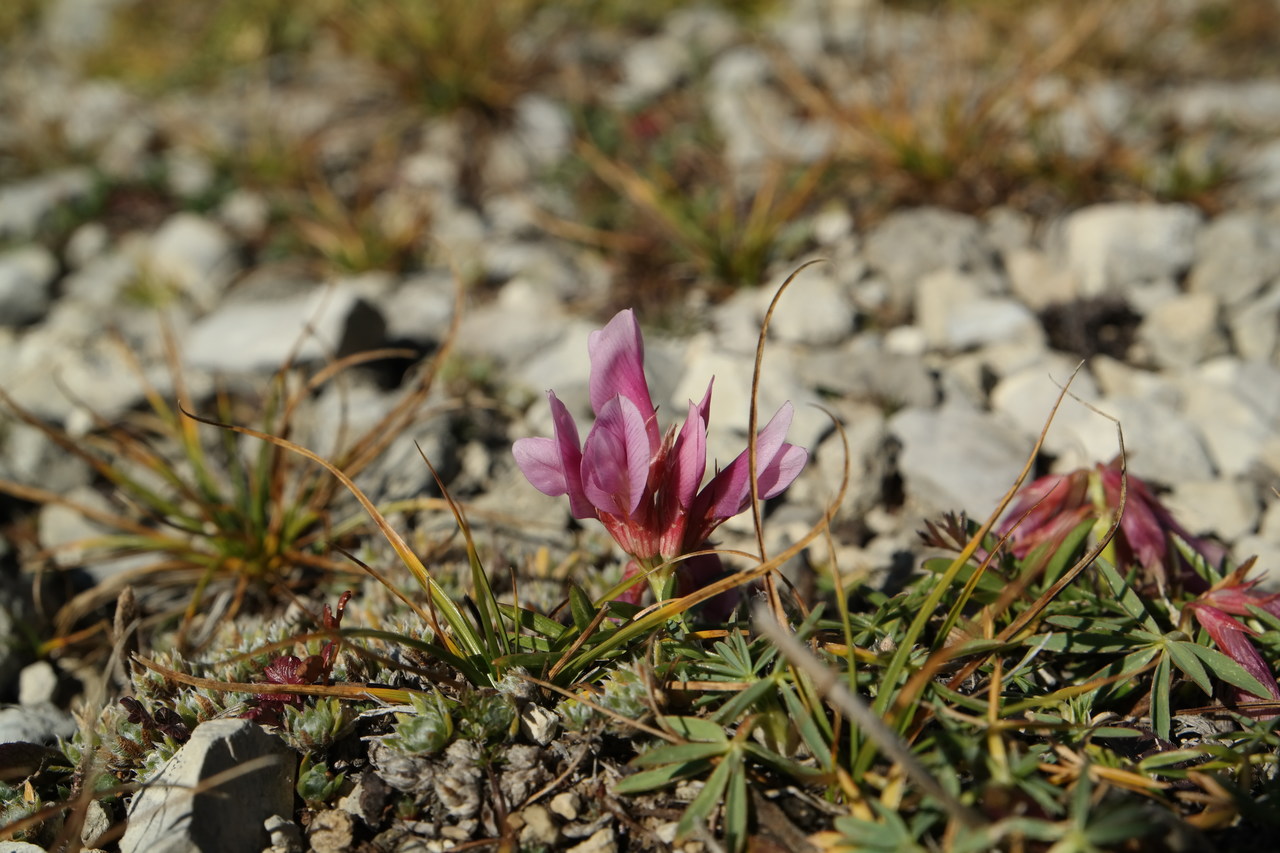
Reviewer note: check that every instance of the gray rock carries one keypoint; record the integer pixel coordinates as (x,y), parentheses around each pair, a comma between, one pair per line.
(815,311)
(868,369)
(195,255)
(1183,331)
(1255,325)
(25,205)
(87,242)
(260,335)
(1026,397)
(909,244)
(286,837)
(957,312)
(603,840)
(1235,255)
(76,25)
(168,817)
(37,684)
(26,276)
(420,309)
(650,67)
(1036,280)
(1162,445)
(1234,431)
(1227,509)
(62,527)
(20,847)
(522,321)
(12,654)
(731,397)
(245,213)
(43,724)
(1248,105)
(1260,172)
(544,128)
(954,458)
(1110,246)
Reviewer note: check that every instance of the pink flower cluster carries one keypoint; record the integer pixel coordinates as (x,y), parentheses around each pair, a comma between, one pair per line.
(645,487)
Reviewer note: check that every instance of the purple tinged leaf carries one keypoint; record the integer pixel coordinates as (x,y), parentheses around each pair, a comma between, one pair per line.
(617,367)
(615,458)
(1232,638)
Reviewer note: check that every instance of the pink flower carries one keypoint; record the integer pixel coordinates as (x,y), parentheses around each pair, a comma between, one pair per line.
(641,485)
(1215,610)
(1055,504)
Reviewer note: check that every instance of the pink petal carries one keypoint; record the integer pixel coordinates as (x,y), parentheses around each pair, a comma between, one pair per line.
(615,458)
(617,367)
(688,459)
(539,461)
(730,491)
(566,438)
(782,470)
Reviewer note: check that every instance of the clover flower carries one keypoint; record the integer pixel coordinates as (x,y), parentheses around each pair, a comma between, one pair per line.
(643,486)
(1057,503)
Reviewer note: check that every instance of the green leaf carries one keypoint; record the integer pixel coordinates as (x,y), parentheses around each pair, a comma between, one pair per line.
(531,620)
(1183,655)
(648,780)
(710,796)
(581,608)
(1128,599)
(1228,670)
(739,704)
(1160,713)
(678,753)
(805,724)
(696,729)
(737,808)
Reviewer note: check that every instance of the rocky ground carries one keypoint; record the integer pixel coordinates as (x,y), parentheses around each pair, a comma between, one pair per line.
(303,209)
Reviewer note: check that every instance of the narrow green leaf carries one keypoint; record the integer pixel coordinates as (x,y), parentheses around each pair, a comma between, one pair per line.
(1228,670)
(710,796)
(648,780)
(1160,712)
(1129,600)
(679,753)
(580,608)
(1184,658)
(737,807)
(696,729)
(740,703)
(805,724)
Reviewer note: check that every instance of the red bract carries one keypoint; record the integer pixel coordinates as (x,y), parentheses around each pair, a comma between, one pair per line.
(1215,610)
(643,486)
(1055,504)
(289,669)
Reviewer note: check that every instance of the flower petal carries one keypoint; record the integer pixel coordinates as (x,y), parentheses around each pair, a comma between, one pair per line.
(782,470)
(688,460)
(615,458)
(566,438)
(729,491)
(617,367)
(539,461)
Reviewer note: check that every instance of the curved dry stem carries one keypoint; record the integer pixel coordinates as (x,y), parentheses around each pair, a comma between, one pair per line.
(753,421)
